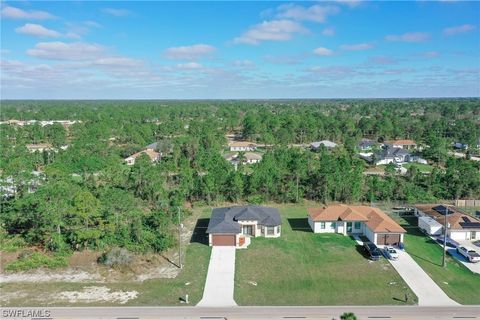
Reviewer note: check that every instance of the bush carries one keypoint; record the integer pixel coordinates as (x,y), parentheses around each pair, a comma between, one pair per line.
(33,260)
(116,257)
(10,243)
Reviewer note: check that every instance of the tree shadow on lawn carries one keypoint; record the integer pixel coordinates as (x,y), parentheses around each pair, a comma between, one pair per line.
(299,224)
(199,234)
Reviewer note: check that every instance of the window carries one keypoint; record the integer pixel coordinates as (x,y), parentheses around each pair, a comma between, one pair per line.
(333,225)
(322,225)
(358,225)
(270,231)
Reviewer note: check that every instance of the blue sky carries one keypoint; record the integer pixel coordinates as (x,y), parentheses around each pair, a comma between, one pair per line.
(258,49)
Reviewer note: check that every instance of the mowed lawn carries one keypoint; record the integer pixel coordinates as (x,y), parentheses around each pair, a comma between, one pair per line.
(303,268)
(458,282)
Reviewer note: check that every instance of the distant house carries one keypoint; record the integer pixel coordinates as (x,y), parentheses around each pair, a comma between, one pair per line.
(326,143)
(234,226)
(371,222)
(242,146)
(249,158)
(403,144)
(460,146)
(40,147)
(391,155)
(366,144)
(460,226)
(153,155)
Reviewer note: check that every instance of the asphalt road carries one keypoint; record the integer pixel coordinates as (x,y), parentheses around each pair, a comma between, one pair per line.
(204,313)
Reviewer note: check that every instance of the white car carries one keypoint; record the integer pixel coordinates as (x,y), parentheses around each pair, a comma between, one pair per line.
(470,254)
(390,253)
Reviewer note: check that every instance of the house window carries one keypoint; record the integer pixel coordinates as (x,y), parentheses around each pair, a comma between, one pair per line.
(358,225)
(247,230)
(270,231)
(322,225)
(333,225)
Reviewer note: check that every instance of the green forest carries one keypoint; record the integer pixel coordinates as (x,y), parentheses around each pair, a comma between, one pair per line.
(80,193)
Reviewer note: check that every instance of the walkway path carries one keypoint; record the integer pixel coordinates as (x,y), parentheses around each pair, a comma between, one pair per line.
(219,285)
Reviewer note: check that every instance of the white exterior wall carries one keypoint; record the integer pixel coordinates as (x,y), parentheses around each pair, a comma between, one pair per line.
(252,223)
(459,235)
(370,235)
(328,227)
(276,234)
(232,148)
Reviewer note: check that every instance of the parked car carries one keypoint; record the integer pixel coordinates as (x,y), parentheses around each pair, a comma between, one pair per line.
(450,242)
(470,254)
(373,251)
(477,243)
(390,253)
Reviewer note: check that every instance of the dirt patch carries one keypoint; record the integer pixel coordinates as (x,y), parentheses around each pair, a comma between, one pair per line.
(45,275)
(7,257)
(97,294)
(84,258)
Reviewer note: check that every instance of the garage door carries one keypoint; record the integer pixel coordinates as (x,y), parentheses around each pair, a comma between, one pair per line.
(223,240)
(388,239)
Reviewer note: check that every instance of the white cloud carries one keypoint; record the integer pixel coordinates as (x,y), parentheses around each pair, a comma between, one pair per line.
(37,31)
(244,63)
(381,60)
(356,47)
(328,32)
(350,3)
(458,29)
(66,51)
(116,12)
(16,13)
(192,52)
(323,51)
(117,62)
(431,54)
(275,30)
(409,37)
(189,66)
(315,13)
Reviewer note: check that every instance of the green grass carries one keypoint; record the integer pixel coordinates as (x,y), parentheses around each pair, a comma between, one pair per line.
(303,268)
(458,282)
(426,168)
(36,260)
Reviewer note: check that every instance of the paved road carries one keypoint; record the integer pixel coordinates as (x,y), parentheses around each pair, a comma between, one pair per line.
(218,291)
(259,313)
(427,291)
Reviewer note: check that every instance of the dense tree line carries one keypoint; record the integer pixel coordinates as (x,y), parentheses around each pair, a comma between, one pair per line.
(91,199)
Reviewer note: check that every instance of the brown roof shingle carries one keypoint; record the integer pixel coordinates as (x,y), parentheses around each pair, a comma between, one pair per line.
(374,218)
(453,219)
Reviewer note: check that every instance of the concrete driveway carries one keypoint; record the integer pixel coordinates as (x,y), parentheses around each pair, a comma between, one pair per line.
(218,291)
(427,291)
(474,267)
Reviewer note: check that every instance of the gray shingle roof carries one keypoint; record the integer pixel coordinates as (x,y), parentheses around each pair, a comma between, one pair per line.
(152,146)
(224,220)
(390,152)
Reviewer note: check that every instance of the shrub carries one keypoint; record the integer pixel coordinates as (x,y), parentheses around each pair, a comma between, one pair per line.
(33,260)
(116,257)
(10,243)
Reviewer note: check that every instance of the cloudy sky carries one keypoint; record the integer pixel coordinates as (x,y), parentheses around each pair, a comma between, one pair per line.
(186,50)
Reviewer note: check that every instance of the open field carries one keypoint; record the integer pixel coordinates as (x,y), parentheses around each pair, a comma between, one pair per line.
(190,281)
(425,168)
(302,268)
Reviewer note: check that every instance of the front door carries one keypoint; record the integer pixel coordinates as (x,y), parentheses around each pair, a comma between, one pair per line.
(247,230)
(474,235)
(349,227)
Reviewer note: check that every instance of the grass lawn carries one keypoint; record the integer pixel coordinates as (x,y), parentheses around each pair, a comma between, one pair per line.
(458,282)
(303,268)
(426,168)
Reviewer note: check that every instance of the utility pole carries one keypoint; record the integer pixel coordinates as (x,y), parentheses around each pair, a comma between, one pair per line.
(179,239)
(444,261)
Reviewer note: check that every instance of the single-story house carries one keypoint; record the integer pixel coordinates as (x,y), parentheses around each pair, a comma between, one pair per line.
(403,144)
(249,158)
(234,226)
(391,155)
(242,146)
(39,147)
(371,222)
(461,226)
(326,143)
(366,144)
(153,155)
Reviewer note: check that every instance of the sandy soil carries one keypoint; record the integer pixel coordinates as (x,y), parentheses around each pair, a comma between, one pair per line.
(95,294)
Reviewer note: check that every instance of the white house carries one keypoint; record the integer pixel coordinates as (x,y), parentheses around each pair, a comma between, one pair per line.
(461,226)
(326,143)
(403,144)
(371,222)
(242,146)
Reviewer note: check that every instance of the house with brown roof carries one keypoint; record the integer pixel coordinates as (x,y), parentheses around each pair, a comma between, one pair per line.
(460,226)
(371,222)
(402,143)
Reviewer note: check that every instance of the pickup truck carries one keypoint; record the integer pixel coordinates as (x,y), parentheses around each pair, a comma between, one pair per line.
(470,254)
(373,251)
